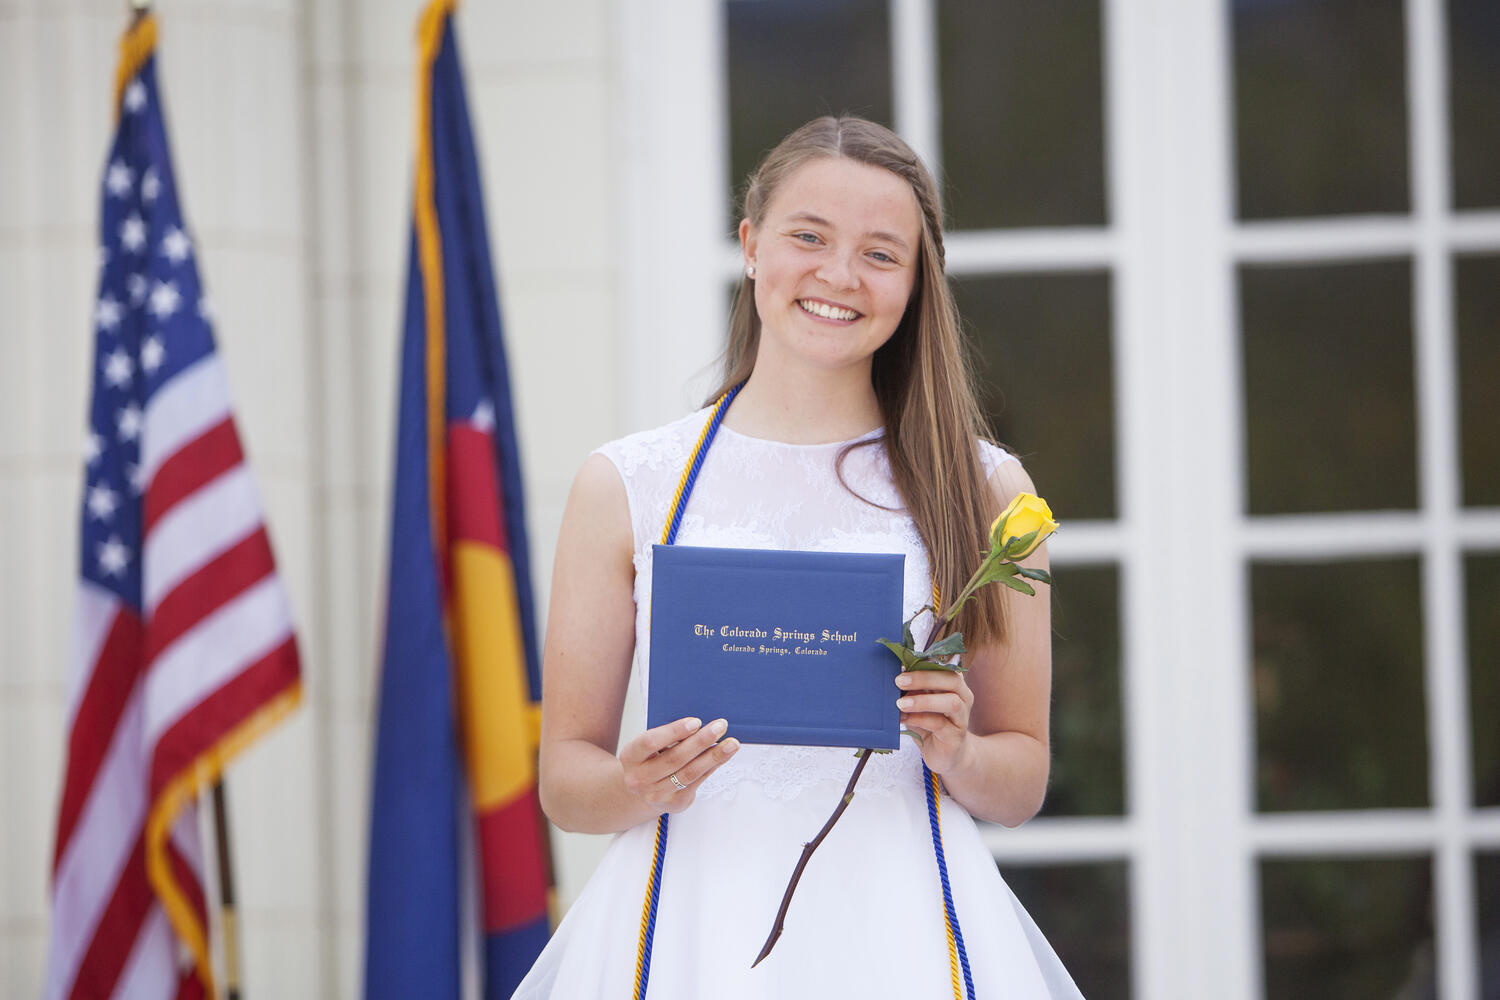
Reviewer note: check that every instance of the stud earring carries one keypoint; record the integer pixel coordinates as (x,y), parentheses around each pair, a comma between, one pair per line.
(749,270)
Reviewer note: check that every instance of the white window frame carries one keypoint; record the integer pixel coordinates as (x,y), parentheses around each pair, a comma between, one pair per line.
(1191,835)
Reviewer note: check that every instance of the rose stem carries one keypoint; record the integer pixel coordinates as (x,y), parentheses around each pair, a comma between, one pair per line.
(938,625)
(807,850)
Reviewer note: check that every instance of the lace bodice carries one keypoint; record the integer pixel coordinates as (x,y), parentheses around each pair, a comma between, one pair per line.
(754,493)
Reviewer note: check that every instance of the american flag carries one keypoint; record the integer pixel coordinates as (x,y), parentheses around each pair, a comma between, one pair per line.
(183,641)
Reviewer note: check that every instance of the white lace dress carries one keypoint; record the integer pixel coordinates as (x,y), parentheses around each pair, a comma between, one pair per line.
(867,919)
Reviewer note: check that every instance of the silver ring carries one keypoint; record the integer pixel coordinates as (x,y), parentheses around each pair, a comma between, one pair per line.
(673,778)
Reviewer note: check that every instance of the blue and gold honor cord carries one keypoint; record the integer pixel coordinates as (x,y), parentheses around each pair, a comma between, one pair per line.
(958,958)
(668,537)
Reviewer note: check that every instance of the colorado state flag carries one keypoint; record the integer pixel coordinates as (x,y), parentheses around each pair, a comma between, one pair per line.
(458,725)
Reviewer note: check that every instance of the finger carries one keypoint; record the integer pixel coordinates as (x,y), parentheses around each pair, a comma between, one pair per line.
(930,724)
(932,680)
(947,703)
(957,703)
(920,733)
(654,741)
(694,771)
(650,778)
(675,758)
(917,680)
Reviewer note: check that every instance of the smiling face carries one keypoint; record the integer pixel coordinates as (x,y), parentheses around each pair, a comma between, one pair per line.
(835,259)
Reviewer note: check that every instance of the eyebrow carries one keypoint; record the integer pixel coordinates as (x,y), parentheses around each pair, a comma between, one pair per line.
(879,234)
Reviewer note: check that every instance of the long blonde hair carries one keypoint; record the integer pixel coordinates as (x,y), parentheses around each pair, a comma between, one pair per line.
(922,376)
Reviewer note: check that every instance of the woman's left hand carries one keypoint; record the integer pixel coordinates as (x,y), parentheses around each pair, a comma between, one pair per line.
(935,704)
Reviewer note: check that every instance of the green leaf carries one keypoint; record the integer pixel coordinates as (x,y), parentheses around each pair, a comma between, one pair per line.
(1034,574)
(1020,585)
(927,663)
(950,646)
(906,637)
(1020,543)
(905,654)
(997,531)
(993,569)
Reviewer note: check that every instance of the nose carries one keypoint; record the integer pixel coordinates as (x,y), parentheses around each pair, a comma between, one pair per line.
(838,271)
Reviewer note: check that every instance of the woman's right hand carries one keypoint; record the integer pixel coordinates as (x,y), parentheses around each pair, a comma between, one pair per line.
(687,749)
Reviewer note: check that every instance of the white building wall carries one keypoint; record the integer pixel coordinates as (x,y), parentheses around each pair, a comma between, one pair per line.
(291,125)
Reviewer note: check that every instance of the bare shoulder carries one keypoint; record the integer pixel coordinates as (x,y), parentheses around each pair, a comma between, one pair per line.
(598,511)
(598,486)
(1009,478)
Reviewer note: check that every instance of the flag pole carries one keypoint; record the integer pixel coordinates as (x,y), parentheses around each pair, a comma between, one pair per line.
(227,918)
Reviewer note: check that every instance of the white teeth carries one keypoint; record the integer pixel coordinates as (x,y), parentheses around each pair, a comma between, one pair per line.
(827,311)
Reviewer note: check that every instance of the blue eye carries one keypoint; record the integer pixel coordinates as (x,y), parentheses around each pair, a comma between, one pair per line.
(807,237)
(883,257)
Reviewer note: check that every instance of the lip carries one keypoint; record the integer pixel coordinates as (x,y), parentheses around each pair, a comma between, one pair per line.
(828,302)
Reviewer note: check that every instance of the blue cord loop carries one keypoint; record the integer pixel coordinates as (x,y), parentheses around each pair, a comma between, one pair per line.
(942,863)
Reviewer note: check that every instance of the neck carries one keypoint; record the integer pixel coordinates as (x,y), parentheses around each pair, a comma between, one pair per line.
(798,405)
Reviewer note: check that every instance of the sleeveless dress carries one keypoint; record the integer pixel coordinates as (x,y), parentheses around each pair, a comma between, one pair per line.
(867,919)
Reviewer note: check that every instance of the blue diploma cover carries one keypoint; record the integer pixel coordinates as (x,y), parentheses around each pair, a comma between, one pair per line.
(780,643)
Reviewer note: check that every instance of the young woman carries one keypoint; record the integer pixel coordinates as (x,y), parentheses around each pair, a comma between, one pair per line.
(856,430)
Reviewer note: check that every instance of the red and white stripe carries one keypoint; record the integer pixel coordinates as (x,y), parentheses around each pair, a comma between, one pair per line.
(147,698)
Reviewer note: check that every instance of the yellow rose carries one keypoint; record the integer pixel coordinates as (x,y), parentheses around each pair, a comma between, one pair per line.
(1026,513)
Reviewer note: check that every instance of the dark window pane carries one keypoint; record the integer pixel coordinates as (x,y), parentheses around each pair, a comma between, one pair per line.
(1339,694)
(1347,928)
(1482,588)
(1477,286)
(1088,777)
(792,60)
(1473,96)
(1022,112)
(1084,910)
(1329,399)
(1044,363)
(1320,107)
(1487,875)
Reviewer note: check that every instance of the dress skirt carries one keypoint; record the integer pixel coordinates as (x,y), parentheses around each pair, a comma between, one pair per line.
(866,921)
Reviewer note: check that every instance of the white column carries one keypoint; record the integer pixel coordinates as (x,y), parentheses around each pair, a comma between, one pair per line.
(231,75)
(674,293)
(1187,694)
(345,425)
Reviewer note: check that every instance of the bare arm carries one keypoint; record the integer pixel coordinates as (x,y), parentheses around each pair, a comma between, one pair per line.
(584,786)
(987,730)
